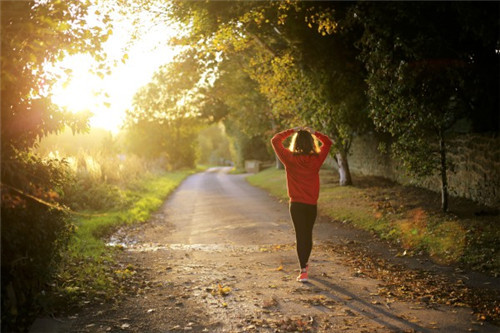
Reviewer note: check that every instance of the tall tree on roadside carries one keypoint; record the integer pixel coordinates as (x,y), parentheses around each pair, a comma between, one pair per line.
(316,73)
(422,77)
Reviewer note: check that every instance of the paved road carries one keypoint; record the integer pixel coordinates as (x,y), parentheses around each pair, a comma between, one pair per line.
(216,208)
(220,257)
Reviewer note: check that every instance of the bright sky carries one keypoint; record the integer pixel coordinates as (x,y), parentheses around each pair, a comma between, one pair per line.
(145,56)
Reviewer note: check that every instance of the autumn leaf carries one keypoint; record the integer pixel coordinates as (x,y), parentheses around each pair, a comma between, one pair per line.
(223,291)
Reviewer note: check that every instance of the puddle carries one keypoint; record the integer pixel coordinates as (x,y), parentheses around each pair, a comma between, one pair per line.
(134,246)
(130,243)
(121,239)
(122,242)
(150,247)
(214,247)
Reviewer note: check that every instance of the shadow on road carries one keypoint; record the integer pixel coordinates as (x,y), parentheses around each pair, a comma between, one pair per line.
(364,308)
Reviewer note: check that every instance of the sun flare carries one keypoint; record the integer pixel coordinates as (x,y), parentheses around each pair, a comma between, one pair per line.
(79,92)
(109,97)
(105,97)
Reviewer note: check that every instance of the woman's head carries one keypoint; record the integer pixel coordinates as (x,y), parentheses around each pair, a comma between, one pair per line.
(303,143)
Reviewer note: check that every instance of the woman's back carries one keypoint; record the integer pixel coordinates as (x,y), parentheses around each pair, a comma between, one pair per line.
(302,169)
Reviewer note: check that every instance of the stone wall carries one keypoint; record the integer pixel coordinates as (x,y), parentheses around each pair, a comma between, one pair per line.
(476,160)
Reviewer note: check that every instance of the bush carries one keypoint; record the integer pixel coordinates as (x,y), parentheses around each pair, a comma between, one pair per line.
(83,194)
(31,240)
(33,235)
(97,180)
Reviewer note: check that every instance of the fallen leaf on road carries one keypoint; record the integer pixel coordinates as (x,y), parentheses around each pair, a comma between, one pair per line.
(269,303)
(224,291)
(427,287)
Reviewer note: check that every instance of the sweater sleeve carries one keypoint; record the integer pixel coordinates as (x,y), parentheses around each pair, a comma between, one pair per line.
(277,142)
(325,148)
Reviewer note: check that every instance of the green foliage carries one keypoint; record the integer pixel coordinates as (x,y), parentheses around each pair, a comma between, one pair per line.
(315,74)
(163,123)
(34,35)
(247,147)
(84,194)
(303,75)
(411,98)
(33,235)
(97,169)
(214,146)
(247,108)
(422,79)
(248,119)
(174,142)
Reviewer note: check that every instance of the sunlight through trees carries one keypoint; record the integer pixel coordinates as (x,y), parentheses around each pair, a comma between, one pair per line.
(232,73)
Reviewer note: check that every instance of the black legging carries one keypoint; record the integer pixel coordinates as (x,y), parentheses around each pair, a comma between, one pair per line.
(303,218)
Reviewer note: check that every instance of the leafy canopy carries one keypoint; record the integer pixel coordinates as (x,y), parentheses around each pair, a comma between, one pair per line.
(35,34)
(422,78)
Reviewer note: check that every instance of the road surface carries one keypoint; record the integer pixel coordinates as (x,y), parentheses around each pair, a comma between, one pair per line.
(219,257)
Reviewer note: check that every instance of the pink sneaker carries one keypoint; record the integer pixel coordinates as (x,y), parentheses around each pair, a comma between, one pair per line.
(303,277)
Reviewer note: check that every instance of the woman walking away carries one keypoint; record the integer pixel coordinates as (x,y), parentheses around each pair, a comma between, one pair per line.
(302,162)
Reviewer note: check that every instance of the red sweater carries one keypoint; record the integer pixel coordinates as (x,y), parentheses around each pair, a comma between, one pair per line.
(302,171)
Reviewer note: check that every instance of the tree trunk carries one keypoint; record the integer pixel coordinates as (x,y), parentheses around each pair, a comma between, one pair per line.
(444,178)
(344,172)
(279,165)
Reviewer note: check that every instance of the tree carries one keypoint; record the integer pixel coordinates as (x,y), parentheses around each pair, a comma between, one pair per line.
(162,122)
(317,74)
(306,75)
(247,118)
(419,76)
(214,146)
(35,34)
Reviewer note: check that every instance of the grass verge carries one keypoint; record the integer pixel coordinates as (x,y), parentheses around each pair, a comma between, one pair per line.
(408,216)
(88,273)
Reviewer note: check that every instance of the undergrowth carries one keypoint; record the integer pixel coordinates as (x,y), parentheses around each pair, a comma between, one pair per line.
(406,216)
